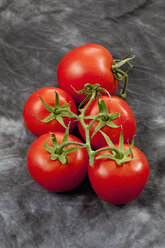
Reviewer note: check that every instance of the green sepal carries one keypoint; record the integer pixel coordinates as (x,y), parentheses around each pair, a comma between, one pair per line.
(102,106)
(60,120)
(66,105)
(120,75)
(47,106)
(54,156)
(113,125)
(49,118)
(117,64)
(84,101)
(56,111)
(90,87)
(66,113)
(108,140)
(98,127)
(105,91)
(103,109)
(54,140)
(57,100)
(118,161)
(63,159)
(73,149)
(130,148)
(114,115)
(51,149)
(124,160)
(105,156)
(129,151)
(121,141)
(78,91)
(129,54)
(66,134)
(105,122)
(48,148)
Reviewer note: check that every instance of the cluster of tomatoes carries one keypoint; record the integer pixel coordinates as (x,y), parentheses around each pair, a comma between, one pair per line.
(59,161)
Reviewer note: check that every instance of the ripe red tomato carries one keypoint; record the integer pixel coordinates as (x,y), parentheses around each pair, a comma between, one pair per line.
(52,174)
(90,63)
(34,107)
(126,119)
(119,184)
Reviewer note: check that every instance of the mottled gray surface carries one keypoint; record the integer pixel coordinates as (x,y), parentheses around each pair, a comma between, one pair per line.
(34,36)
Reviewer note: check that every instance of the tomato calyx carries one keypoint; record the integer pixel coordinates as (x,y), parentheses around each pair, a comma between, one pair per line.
(59,151)
(89,90)
(104,117)
(120,156)
(122,75)
(56,111)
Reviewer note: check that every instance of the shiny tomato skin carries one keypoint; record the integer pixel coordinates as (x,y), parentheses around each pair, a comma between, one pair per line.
(119,184)
(126,119)
(34,107)
(53,175)
(90,63)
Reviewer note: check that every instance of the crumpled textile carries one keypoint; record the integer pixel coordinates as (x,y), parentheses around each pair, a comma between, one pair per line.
(34,36)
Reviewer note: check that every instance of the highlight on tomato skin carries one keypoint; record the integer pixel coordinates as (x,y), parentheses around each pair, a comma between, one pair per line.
(89,63)
(126,119)
(34,111)
(52,174)
(119,184)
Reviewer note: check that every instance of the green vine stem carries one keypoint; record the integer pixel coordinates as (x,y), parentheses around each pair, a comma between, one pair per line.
(122,75)
(63,145)
(86,128)
(59,151)
(113,149)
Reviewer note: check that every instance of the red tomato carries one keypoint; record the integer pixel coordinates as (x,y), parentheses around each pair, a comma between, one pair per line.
(34,107)
(126,119)
(52,174)
(119,184)
(90,63)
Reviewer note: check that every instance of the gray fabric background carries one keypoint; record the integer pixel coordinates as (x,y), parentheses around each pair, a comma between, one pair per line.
(34,36)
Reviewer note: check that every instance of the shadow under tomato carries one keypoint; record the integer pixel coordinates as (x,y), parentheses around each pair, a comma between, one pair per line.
(83,188)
